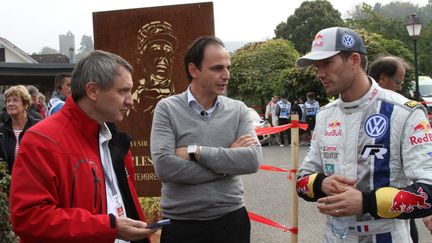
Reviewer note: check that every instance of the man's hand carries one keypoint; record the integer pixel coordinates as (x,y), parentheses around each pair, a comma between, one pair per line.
(347,203)
(336,184)
(428,222)
(246,140)
(131,230)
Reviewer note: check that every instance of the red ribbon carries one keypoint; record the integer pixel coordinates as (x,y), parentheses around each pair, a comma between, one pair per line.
(261,219)
(277,169)
(277,129)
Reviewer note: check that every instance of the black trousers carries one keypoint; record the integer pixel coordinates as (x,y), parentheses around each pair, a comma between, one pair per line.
(284,121)
(233,227)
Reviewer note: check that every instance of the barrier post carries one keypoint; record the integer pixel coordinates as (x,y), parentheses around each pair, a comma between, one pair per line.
(294,161)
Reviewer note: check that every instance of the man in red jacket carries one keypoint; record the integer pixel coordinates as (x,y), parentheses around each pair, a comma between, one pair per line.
(73,177)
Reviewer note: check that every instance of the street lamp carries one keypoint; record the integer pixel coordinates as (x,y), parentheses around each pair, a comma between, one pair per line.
(413,26)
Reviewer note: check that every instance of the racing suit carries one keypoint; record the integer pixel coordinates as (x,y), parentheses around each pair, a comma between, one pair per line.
(384,142)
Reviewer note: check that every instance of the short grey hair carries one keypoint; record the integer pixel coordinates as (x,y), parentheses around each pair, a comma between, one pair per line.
(33,91)
(100,67)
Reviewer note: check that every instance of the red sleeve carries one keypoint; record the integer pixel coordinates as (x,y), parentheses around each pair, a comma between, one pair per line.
(40,209)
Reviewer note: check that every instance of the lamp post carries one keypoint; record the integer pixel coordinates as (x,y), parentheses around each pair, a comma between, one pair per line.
(413,25)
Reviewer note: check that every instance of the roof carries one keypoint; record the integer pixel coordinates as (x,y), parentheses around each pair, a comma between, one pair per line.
(14,49)
(29,73)
(51,58)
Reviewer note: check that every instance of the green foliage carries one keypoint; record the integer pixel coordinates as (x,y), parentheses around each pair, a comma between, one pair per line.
(255,70)
(373,21)
(377,45)
(301,27)
(86,45)
(425,50)
(395,10)
(151,208)
(6,233)
(389,22)
(299,81)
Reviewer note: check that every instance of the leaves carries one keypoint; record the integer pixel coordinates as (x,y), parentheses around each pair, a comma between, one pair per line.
(307,20)
(255,70)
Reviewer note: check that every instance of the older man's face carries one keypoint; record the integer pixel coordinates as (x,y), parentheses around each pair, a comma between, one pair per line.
(394,83)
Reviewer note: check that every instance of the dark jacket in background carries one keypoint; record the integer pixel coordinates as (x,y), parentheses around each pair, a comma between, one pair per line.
(8,140)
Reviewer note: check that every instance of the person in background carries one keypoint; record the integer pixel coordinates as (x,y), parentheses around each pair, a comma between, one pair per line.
(34,93)
(303,134)
(201,143)
(389,72)
(73,179)
(17,123)
(283,112)
(312,108)
(300,103)
(41,106)
(62,90)
(368,164)
(270,115)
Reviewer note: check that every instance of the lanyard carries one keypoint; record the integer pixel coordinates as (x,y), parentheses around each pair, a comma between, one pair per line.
(108,177)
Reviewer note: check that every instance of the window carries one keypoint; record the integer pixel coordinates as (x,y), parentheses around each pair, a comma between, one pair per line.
(2,55)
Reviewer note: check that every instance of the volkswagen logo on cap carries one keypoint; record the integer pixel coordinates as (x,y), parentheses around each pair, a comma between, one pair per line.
(348,41)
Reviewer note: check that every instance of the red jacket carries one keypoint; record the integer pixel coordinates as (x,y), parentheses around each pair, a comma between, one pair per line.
(58,189)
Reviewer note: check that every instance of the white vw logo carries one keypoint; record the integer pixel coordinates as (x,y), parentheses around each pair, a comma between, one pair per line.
(376,125)
(348,41)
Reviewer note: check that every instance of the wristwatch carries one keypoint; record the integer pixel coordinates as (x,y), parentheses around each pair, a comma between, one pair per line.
(192,149)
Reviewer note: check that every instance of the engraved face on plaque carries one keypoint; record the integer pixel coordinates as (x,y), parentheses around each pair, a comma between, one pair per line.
(156,46)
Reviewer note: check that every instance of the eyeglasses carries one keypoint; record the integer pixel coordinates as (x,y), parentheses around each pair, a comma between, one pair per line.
(398,82)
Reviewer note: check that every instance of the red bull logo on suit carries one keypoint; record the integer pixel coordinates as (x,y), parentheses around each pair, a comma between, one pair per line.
(406,201)
(427,137)
(302,185)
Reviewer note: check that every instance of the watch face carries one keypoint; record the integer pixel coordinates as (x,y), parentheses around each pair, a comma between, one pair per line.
(191,148)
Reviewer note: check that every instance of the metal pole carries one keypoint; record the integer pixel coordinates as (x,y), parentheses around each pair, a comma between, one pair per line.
(417,96)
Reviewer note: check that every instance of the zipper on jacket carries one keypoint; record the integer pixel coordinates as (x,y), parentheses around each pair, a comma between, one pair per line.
(95,184)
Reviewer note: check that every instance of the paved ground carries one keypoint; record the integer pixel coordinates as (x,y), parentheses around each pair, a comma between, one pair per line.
(268,194)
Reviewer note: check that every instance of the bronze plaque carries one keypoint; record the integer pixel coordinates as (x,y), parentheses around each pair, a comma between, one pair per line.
(154,41)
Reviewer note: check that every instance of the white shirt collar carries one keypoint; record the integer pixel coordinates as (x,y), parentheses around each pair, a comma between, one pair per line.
(197,106)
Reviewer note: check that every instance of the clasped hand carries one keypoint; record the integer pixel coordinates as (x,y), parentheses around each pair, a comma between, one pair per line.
(342,198)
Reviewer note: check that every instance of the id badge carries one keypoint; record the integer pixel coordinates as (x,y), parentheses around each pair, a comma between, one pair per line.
(120,210)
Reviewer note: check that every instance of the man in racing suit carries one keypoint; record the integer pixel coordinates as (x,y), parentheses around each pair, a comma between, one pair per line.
(370,156)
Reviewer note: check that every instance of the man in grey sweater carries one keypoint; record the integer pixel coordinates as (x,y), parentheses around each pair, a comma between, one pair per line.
(201,142)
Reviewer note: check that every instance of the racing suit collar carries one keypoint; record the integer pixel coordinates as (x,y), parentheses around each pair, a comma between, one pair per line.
(363,102)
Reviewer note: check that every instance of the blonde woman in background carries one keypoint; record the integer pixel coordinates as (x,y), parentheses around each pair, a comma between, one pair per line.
(17,101)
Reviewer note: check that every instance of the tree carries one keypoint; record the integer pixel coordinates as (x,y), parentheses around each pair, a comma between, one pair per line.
(372,20)
(301,27)
(425,50)
(86,46)
(299,81)
(48,50)
(256,68)
(379,20)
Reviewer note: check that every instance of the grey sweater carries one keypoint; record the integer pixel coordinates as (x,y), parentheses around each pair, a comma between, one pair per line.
(211,187)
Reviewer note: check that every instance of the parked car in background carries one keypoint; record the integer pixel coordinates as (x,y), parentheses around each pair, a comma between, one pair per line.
(425,93)
(259,122)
